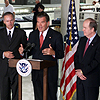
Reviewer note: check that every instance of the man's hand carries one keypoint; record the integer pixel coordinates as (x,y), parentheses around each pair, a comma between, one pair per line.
(80,74)
(8,54)
(48,51)
(21,49)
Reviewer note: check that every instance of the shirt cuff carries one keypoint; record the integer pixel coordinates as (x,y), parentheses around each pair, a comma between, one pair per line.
(53,56)
(3,55)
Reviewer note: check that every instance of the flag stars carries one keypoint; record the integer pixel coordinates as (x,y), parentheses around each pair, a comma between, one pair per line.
(71,43)
(76,37)
(75,27)
(74,23)
(70,28)
(76,33)
(72,2)
(73,8)
(69,18)
(74,18)
(69,23)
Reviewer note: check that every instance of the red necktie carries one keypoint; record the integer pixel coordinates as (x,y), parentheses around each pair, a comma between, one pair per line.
(41,40)
(87,44)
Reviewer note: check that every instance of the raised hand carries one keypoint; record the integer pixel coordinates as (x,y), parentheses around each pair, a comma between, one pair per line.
(48,51)
(21,49)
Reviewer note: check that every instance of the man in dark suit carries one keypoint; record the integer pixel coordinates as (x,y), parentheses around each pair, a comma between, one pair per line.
(87,60)
(10,40)
(51,49)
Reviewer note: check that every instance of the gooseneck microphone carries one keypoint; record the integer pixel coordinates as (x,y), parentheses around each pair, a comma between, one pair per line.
(32,46)
(27,47)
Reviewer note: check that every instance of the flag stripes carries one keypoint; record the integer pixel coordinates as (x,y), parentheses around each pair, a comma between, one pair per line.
(68,78)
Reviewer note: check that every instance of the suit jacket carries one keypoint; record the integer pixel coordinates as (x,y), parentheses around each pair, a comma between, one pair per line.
(19,37)
(89,64)
(55,39)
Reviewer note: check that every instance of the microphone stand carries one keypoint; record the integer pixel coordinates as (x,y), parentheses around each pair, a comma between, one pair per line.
(26,54)
(28,50)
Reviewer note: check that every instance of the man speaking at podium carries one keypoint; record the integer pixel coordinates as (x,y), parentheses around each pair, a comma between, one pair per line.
(48,46)
(10,40)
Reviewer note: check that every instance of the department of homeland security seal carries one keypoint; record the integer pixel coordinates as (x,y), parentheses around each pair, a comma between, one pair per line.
(23,67)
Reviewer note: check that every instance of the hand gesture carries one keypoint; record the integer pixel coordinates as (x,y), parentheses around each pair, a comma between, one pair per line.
(80,74)
(21,49)
(8,54)
(48,51)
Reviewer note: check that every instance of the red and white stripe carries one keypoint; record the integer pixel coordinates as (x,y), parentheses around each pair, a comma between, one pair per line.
(68,79)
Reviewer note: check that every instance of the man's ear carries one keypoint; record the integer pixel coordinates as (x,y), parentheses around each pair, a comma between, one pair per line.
(92,29)
(48,23)
(4,22)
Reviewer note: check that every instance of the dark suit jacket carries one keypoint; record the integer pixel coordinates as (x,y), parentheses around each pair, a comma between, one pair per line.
(55,39)
(19,37)
(89,64)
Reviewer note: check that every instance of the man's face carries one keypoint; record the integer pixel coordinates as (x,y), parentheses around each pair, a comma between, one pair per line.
(42,25)
(86,29)
(40,10)
(6,2)
(37,1)
(9,21)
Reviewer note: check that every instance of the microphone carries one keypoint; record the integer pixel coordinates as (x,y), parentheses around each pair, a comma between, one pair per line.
(32,46)
(27,46)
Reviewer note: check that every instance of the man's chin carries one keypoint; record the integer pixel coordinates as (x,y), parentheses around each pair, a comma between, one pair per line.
(40,30)
(10,28)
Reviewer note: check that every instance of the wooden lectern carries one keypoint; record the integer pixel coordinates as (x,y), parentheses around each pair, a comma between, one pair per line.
(38,65)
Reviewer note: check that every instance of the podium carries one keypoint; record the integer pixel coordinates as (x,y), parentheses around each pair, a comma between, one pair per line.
(37,65)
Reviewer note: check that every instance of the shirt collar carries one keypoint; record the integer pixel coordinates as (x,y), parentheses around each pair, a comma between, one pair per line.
(45,32)
(10,30)
(92,38)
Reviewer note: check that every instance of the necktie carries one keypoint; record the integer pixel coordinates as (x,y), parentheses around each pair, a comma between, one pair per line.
(87,44)
(41,40)
(9,36)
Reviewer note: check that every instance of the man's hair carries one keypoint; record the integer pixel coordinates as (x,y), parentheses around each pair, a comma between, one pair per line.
(43,14)
(9,13)
(41,6)
(93,24)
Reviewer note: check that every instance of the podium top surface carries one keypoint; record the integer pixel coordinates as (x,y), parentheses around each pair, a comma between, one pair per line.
(36,64)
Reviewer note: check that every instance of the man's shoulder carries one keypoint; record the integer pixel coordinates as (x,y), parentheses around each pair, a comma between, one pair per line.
(54,31)
(98,38)
(2,29)
(83,38)
(34,32)
(10,5)
(19,30)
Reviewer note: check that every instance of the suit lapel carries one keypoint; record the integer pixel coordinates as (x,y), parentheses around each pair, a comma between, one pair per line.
(14,35)
(83,47)
(38,40)
(91,46)
(5,37)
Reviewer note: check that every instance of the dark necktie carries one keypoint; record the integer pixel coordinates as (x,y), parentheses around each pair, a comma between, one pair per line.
(86,46)
(9,36)
(41,40)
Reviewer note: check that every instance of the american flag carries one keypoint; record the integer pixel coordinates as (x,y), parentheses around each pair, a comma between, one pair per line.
(68,78)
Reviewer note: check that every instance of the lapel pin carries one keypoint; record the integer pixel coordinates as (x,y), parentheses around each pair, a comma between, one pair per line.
(50,37)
